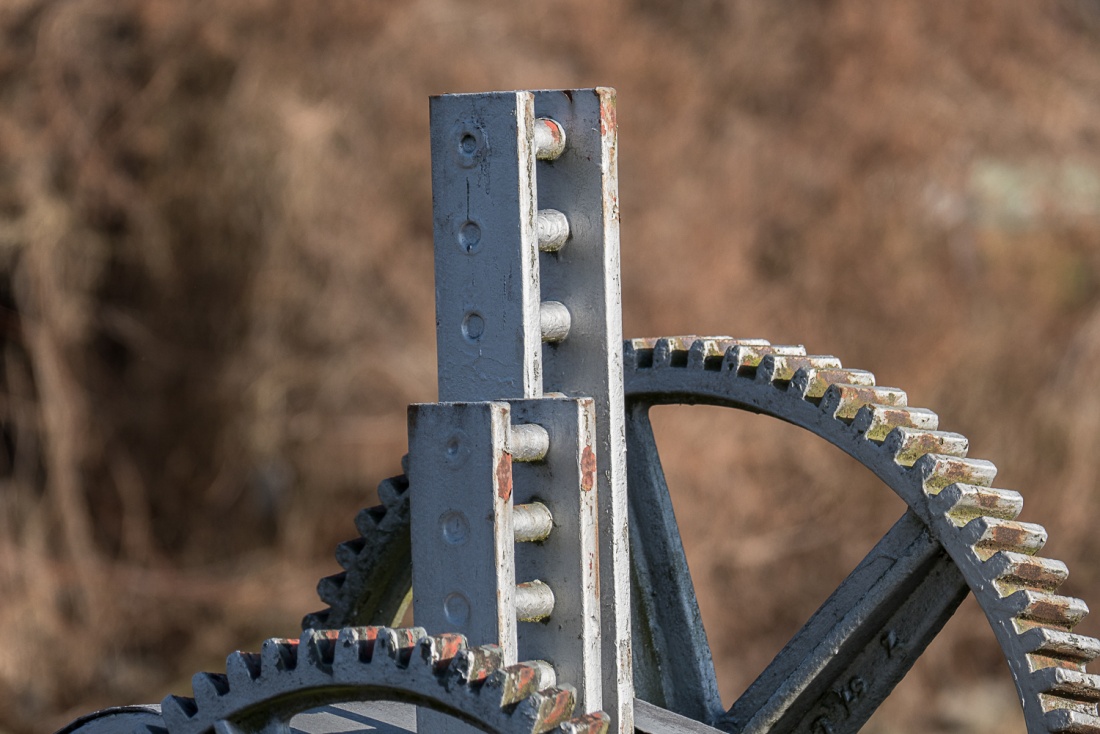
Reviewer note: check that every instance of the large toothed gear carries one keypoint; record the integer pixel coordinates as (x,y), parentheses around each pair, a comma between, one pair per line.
(262,692)
(960,534)
(951,501)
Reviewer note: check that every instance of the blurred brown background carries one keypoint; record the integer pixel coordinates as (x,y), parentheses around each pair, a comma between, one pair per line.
(216,296)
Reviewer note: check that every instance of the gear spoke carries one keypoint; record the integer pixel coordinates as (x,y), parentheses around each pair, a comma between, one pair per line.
(673,667)
(969,538)
(950,494)
(859,644)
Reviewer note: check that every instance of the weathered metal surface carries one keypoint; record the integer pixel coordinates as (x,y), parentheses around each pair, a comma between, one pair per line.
(567,560)
(262,693)
(840,666)
(532,522)
(553,230)
(460,475)
(375,585)
(137,719)
(486,246)
(672,659)
(526,232)
(949,494)
(583,184)
(463,541)
(555,325)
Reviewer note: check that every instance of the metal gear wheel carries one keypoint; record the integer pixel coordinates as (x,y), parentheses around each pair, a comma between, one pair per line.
(959,535)
(261,693)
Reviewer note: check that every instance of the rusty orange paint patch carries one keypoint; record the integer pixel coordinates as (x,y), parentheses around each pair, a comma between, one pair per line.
(504,476)
(588,468)
(608,120)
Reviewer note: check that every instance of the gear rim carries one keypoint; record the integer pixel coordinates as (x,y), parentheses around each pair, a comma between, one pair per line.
(951,494)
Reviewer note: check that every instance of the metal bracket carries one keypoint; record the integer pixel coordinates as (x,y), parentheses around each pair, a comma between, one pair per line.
(525,212)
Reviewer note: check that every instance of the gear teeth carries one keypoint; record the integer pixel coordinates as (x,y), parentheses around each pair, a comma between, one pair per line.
(400,643)
(439,651)
(961,503)
(329,587)
(707,352)
(1070,684)
(1063,612)
(1064,721)
(390,490)
(317,620)
(908,444)
(596,723)
(1059,646)
(319,647)
(546,709)
(348,551)
(277,656)
(208,688)
(1014,571)
(988,535)
(473,665)
(368,519)
(177,712)
(783,368)
(355,645)
(845,401)
(938,472)
(242,668)
(811,384)
(744,359)
(516,682)
(877,421)
(672,351)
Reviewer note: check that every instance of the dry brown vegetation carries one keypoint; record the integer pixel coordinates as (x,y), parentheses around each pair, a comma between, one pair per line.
(216,295)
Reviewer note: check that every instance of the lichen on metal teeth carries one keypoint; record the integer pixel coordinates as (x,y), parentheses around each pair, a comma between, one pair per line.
(929,469)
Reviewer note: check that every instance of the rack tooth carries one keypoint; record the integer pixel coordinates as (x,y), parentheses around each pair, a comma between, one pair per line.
(845,401)
(1014,571)
(348,551)
(877,421)
(390,490)
(744,358)
(242,668)
(208,688)
(1071,684)
(988,535)
(811,384)
(908,444)
(961,503)
(278,656)
(1064,721)
(782,368)
(1061,612)
(368,519)
(329,587)
(938,472)
(1060,645)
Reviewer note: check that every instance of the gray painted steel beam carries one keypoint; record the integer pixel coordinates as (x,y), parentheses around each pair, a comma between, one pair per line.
(568,559)
(488,335)
(460,478)
(583,274)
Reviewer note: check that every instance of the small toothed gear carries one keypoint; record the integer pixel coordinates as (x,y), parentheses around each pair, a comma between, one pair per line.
(959,535)
(263,692)
(374,587)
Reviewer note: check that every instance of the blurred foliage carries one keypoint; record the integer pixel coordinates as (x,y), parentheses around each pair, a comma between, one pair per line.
(216,294)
